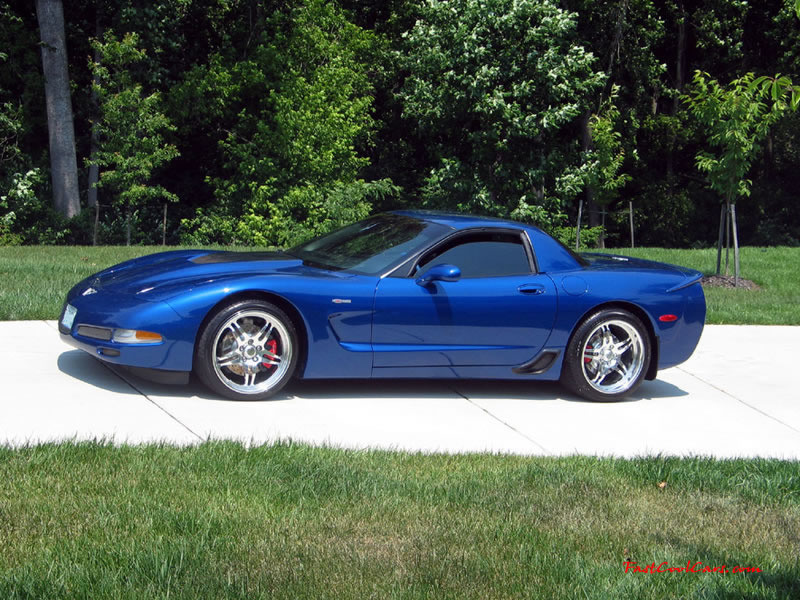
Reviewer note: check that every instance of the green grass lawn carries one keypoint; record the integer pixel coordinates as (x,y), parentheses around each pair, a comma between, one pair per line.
(289,521)
(34,279)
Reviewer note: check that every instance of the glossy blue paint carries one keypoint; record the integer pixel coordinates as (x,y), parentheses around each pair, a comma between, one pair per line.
(470,322)
(390,324)
(439,273)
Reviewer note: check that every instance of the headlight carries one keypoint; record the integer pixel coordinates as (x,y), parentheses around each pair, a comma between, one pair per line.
(135,336)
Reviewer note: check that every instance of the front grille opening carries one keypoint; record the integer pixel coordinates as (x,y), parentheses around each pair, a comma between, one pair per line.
(97,333)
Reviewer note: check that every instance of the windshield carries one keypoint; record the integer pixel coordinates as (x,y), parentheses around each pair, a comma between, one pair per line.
(372,246)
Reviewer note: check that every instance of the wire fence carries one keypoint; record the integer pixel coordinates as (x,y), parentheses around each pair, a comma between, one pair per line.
(602,212)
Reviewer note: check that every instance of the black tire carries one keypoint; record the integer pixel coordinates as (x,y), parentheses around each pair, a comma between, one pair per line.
(247,351)
(597,364)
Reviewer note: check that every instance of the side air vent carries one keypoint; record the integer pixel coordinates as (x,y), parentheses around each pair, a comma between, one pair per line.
(539,364)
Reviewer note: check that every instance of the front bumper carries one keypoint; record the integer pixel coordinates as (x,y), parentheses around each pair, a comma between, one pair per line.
(99,314)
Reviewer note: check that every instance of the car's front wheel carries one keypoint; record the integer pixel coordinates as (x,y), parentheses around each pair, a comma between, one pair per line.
(608,356)
(247,351)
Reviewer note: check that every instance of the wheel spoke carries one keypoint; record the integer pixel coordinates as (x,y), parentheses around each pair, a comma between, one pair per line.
(271,358)
(622,370)
(228,359)
(238,332)
(623,346)
(264,332)
(249,379)
(599,376)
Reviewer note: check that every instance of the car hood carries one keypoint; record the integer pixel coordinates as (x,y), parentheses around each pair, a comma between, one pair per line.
(181,268)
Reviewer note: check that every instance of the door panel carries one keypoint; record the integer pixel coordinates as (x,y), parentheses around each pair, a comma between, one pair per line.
(470,322)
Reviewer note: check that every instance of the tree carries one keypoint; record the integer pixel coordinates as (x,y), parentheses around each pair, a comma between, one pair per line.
(497,87)
(738,117)
(604,160)
(63,162)
(289,121)
(131,128)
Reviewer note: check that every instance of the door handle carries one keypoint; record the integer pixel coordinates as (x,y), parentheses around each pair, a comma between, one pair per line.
(531,289)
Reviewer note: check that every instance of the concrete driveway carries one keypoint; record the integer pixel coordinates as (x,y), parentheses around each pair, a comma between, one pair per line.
(736,397)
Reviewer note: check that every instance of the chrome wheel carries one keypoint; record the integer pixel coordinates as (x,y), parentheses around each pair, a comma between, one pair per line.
(613,356)
(252,351)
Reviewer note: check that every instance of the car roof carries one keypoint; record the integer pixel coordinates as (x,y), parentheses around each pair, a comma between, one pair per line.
(458,220)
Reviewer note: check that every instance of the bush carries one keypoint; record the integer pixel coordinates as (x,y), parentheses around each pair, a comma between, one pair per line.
(566,235)
(302,213)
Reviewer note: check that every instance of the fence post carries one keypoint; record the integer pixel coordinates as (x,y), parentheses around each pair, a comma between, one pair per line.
(630,205)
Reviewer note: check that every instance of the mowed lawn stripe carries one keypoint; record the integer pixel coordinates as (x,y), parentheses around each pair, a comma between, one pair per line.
(91,520)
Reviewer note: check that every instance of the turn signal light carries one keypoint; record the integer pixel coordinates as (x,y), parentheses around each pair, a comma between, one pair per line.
(667,318)
(134,336)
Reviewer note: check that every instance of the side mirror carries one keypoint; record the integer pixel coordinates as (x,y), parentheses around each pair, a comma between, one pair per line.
(440,273)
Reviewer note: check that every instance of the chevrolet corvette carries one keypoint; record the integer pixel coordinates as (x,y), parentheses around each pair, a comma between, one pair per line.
(401,294)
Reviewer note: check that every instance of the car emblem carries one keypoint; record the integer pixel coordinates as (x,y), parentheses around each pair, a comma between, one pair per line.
(88,291)
(341,301)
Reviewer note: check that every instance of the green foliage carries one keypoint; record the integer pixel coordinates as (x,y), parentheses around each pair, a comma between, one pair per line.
(302,213)
(28,217)
(293,115)
(737,117)
(606,157)
(589,236)
(494,85)
(473,105)
(131,126)
(10,128)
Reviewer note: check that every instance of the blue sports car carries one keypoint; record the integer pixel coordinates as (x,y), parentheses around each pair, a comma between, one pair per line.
(402,294)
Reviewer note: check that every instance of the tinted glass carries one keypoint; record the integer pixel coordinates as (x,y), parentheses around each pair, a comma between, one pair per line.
(372,246)
(481,256)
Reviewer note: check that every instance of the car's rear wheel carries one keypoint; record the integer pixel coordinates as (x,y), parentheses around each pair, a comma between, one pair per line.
(247,351)
(608,356)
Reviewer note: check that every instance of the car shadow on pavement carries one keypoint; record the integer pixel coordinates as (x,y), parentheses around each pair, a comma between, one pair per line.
(552,390)
(84,367)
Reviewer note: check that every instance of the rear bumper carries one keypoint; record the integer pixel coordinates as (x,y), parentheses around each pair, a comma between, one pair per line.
(679,344)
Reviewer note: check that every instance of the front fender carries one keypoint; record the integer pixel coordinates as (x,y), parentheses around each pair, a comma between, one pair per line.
(336,312)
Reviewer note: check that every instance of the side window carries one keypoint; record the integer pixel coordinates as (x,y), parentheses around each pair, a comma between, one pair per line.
(480,255)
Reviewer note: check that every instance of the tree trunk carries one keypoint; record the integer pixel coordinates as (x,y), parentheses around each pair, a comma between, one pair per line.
(735,247)
(722,216)
(128,226)
(63,163)
(601,241)
(586,145)
(614,50)
(94,169)
(769,156)
(727,235)
(680,77)
(96,223)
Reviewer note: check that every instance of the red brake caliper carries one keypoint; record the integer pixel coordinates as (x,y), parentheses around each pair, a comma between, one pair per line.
(586,359)
(272,348)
